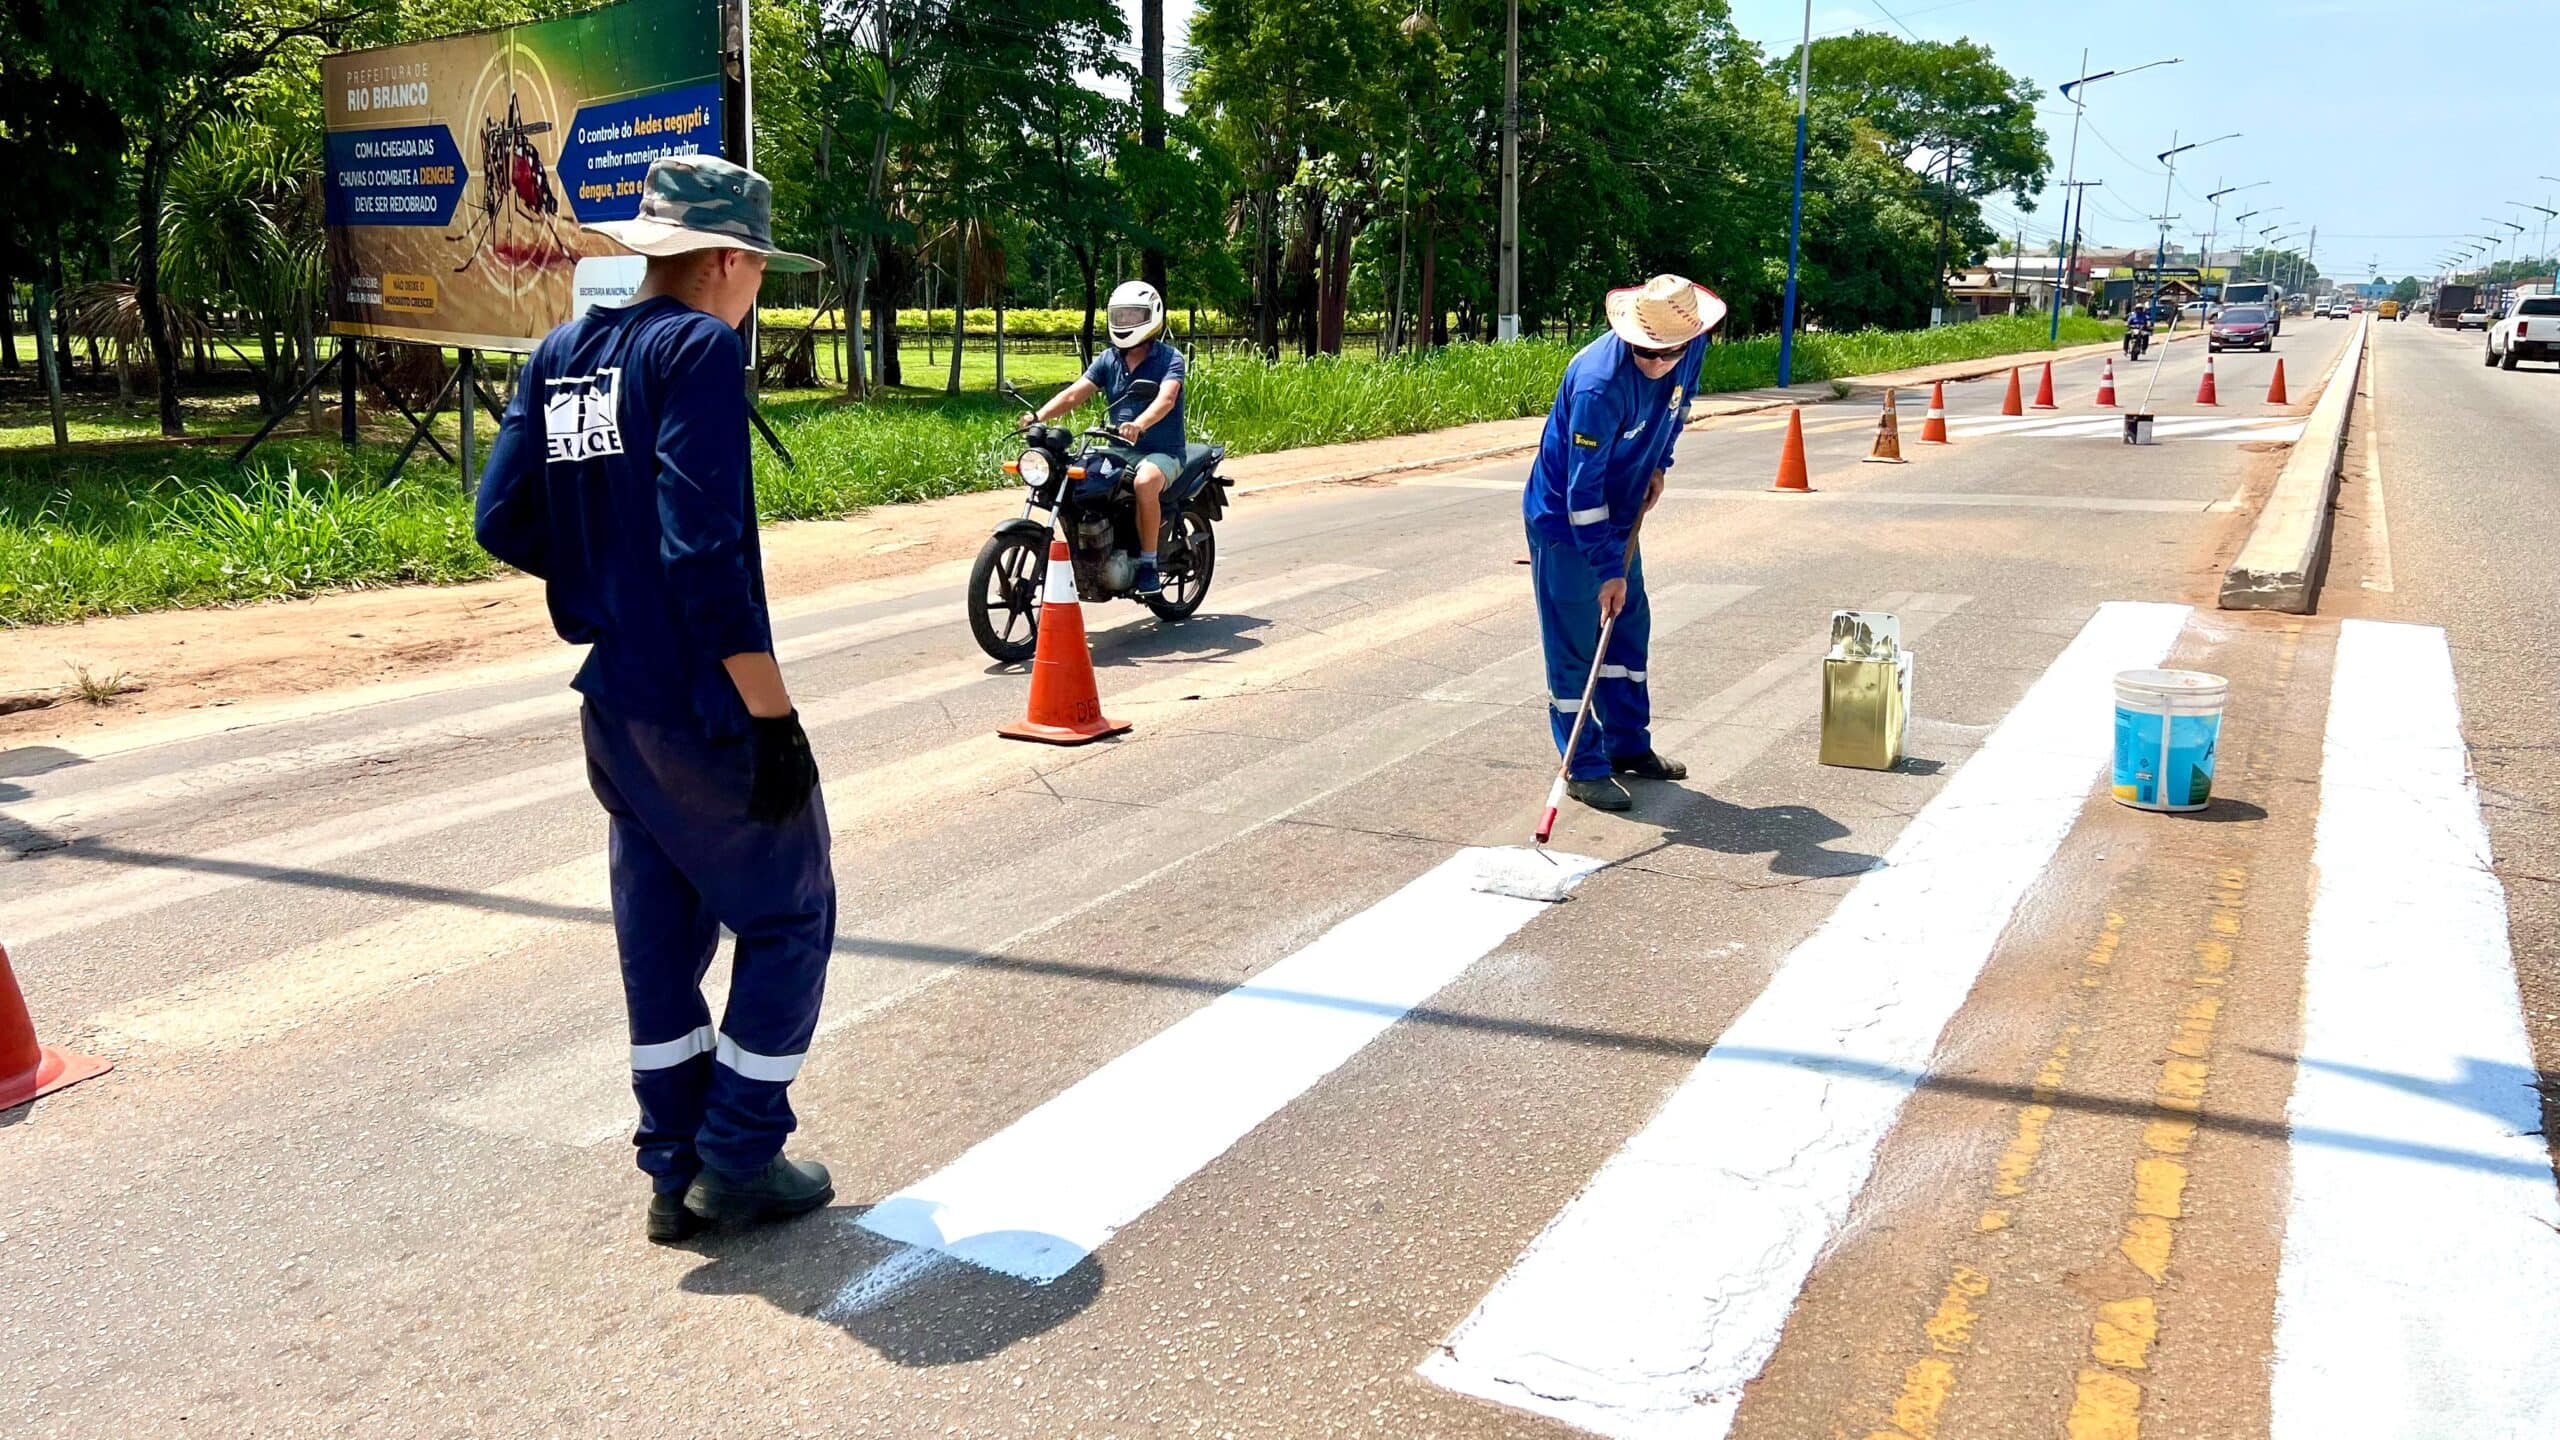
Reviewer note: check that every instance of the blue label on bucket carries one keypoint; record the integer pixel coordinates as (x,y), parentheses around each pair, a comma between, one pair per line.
(2185,779)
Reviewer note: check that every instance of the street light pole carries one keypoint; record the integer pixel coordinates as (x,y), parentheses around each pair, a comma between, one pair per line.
(2071,182)
(1508,326)
(1795,208)
(2213,227)
(2169,159)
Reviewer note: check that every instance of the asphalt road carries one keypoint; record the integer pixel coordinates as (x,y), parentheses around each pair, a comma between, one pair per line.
(1237,1111)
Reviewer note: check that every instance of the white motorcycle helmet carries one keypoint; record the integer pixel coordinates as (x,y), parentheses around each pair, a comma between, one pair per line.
(1135,315)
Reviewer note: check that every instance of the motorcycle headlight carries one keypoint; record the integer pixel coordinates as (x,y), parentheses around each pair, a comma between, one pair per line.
(1036,467)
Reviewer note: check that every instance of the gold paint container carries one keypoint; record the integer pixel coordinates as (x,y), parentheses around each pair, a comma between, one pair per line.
(1866,691)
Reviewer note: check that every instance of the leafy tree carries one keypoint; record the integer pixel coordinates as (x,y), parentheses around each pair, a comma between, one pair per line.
(1950,106)
(2406,290)
(62,146)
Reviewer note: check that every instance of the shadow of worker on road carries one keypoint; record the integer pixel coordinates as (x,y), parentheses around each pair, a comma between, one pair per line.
(915,1306)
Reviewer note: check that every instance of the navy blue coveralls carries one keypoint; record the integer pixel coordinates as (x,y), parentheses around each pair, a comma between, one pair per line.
(621,476)
(1611,428)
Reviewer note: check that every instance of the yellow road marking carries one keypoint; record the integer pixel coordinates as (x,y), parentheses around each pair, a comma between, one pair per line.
(1928,1381)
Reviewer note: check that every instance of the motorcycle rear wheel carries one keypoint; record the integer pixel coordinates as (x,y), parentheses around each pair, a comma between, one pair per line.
(1004,596)
(1183,593)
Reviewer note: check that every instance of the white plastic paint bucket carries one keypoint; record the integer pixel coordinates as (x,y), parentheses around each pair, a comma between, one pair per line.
(2137,429)
(2167,725)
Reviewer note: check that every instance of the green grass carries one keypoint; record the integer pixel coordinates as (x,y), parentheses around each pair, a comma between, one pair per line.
(148,527)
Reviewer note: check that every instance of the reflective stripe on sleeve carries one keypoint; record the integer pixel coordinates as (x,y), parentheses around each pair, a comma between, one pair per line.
(1592,516)
(780,1069)
(667,1054)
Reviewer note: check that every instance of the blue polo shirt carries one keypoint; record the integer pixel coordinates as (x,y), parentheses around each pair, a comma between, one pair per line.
(1112,374)
(1611,428)
(621,477)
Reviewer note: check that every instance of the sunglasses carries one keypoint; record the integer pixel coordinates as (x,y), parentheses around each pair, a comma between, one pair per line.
(1674,353)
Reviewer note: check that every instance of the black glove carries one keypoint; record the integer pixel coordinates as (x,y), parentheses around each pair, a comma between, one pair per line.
(785,771)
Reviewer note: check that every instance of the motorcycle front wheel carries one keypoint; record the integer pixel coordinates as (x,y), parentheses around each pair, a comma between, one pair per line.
(1004,595)
(1183,593)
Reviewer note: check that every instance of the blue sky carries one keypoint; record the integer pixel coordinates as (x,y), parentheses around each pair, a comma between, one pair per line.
(2391,124)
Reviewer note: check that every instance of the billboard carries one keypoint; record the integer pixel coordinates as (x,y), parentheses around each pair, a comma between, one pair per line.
(462,172)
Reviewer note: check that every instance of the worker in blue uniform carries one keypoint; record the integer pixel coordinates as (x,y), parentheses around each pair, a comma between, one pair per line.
(1600,467)
(621,477)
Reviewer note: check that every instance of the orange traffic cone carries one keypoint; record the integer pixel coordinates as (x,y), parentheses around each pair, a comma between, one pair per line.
(1888,448)
(2275,389)
(2205,391)
(2010,405)
(28,1069)
(1791,475)
(1933,431)
(2107,386)
(2044,388)
(1066,708)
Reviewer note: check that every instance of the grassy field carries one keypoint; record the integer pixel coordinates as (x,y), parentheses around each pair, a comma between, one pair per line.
(109,530)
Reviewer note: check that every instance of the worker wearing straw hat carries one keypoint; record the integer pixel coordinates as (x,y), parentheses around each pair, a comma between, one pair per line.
(620,476)
(1600,467)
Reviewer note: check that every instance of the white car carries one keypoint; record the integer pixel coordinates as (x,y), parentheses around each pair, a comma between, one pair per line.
(2474,318)
(2530,331)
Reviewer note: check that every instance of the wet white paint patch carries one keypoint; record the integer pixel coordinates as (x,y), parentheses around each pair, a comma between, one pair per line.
(1647,1305)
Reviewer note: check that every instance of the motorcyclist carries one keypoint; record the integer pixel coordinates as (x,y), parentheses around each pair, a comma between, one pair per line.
(2137,330)
(1150,426)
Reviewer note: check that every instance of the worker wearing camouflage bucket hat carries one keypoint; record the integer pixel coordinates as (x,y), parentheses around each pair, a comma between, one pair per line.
(621,477)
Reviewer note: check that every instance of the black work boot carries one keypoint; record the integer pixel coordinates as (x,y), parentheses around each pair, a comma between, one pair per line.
(781,1190)
(669,1222)
(1649,766)
(1600,792)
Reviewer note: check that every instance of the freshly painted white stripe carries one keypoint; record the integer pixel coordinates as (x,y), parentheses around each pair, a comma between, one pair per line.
(1592,516)
(667,1054)
(1039,1196)
(1655,1296)
(780,1069)
(573,1097)
(2419,1292)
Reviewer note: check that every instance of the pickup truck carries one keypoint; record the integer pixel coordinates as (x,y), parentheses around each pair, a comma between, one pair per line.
(2530,331)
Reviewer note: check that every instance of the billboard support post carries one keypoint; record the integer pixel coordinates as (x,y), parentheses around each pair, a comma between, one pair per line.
(468,362)
(343,360)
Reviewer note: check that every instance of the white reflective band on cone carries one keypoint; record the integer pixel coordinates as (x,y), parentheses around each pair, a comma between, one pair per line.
(1592,516)
(1060,586)
(779,1069)
(667,1054)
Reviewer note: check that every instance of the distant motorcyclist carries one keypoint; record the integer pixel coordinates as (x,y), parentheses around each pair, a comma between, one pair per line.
(2137,331)
(1152,426)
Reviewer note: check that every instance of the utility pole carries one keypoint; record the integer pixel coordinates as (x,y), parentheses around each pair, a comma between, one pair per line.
(1508,326)
(1151,112)
(1795,208)
(2017,262)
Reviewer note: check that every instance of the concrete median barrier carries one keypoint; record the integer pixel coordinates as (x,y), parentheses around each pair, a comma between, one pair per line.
(2279,568)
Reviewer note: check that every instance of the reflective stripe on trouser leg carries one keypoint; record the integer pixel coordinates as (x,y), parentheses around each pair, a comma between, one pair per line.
(1568,595)
(686,861)
(1626,706)
(666,939)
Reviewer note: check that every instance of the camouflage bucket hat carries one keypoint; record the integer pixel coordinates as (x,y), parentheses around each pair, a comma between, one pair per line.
(702,202)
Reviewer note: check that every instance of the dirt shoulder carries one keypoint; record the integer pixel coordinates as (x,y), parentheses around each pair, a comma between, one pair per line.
(243,659)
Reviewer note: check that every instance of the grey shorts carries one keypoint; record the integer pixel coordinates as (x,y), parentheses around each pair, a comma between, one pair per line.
(1166,465)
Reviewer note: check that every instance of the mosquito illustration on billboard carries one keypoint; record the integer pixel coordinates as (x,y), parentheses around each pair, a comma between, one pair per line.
(515,193)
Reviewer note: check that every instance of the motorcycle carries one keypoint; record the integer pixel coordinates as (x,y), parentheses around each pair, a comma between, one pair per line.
(1083,480)
(2136,342)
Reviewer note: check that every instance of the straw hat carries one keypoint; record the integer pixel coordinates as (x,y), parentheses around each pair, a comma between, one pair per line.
(1662,312)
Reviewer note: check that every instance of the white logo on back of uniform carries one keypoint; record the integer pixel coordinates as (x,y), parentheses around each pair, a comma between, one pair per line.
(578,417)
